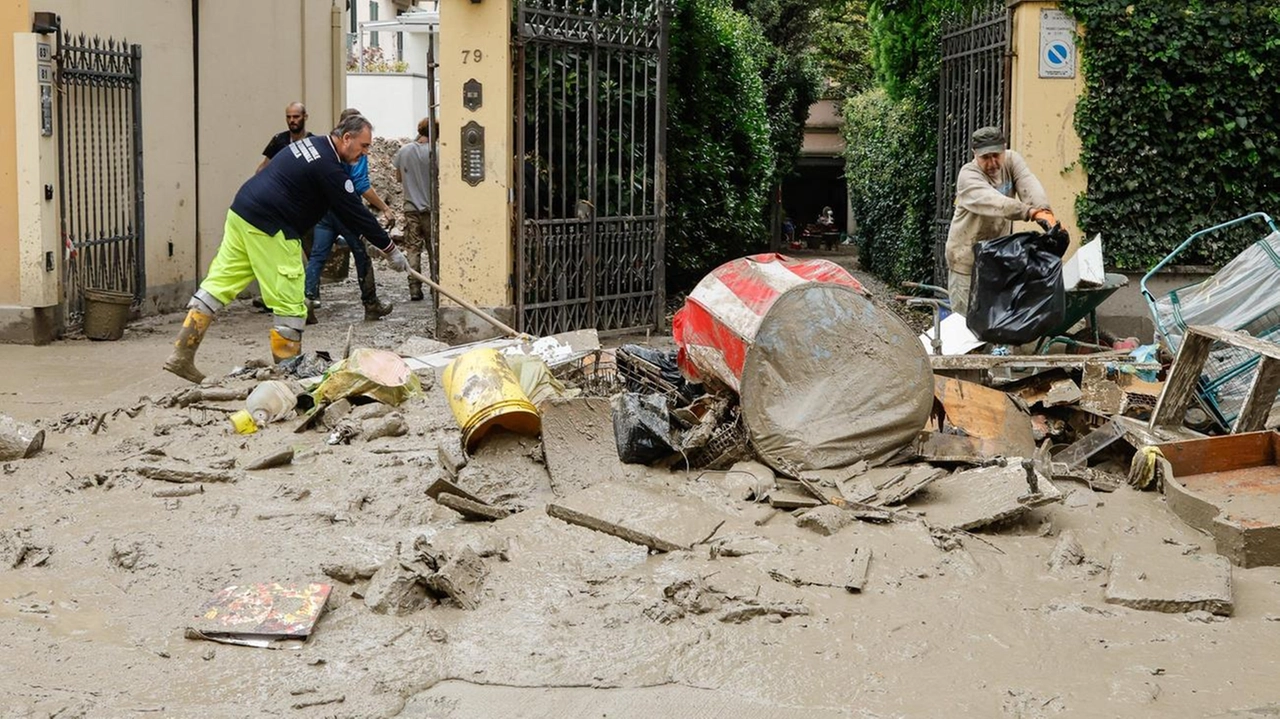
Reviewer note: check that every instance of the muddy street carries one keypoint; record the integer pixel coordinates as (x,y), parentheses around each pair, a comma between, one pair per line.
(103,569)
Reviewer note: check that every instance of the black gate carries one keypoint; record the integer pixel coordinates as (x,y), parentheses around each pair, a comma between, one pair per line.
(590,118)
(973,92)
(100,168)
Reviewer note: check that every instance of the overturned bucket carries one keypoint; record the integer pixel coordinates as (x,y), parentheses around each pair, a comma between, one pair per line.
(106,313)
(484,393)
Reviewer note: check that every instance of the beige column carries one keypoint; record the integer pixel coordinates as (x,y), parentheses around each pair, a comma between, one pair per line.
(15,17)
(475,219)
(37,167)
(1042,110)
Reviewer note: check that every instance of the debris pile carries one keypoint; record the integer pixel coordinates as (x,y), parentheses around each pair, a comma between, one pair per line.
(823,487)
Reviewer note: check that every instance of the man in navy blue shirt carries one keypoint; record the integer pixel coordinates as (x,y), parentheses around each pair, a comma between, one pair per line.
(261,238)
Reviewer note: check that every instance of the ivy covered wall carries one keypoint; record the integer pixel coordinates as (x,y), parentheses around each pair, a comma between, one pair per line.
(1180,122)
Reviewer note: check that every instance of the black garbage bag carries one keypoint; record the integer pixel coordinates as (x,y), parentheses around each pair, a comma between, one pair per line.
(641,427)
(1017,295)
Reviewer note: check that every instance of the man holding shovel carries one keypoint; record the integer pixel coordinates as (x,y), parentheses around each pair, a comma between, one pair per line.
(261,238)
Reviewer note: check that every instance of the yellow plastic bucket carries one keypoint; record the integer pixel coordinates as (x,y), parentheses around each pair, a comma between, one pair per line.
(484,393)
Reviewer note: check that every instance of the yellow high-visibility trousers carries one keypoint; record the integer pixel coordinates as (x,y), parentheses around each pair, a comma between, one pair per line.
(246,254)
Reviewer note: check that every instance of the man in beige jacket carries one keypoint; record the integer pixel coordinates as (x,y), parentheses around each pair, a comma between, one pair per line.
(992,191)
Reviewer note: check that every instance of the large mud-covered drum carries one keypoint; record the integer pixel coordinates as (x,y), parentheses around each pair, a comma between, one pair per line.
(825,377)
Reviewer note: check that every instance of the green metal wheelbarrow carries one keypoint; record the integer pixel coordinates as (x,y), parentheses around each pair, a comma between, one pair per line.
(1083,302)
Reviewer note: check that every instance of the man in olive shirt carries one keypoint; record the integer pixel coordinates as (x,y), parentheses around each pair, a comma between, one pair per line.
(992,191)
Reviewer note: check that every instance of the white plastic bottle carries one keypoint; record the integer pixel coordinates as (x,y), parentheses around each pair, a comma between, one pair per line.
(271,401)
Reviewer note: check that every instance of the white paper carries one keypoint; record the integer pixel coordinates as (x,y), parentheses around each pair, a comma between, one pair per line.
(1085,267)
(956,337)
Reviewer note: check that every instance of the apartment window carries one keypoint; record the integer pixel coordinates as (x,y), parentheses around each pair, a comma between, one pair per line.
(373,16)
(399,47)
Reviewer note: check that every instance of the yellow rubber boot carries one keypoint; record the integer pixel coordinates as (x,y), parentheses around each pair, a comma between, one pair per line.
(282,348)
(182,361)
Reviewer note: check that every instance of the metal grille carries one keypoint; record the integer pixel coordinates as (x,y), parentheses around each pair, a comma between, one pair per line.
(100,168)
(590,119)
(973,93)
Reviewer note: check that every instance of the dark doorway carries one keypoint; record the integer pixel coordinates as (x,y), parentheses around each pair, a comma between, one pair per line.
(819,183)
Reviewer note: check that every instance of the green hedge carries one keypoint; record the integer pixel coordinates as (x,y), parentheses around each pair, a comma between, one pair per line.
(1180,122)
(891,183)
(719,158)
(892,138)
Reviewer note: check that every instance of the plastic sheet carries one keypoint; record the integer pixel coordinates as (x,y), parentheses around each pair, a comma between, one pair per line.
(379,374)
(1017,293)
(1242,295)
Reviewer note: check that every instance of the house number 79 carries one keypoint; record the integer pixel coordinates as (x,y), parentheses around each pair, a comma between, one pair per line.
(472,56)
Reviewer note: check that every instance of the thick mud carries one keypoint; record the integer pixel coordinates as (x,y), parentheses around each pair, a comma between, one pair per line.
(571,622)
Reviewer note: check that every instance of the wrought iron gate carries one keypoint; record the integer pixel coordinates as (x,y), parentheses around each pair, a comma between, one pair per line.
(100,168)
(973,92)
(590,118)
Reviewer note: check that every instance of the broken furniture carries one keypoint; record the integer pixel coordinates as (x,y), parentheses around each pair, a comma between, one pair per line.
(1229,486)
(1199,341)
(978,423)
(1240,296)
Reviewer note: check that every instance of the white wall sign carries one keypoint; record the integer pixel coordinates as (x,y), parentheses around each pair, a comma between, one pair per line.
(1057,45)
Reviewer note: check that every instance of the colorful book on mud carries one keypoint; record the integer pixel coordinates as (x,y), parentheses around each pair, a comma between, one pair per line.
(260,615)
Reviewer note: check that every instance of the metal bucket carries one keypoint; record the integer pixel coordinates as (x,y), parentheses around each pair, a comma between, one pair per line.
(484,393)
(106,313)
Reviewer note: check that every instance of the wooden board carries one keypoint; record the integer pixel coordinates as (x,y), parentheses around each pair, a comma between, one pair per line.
(639,515)
(986,413)
(945,363)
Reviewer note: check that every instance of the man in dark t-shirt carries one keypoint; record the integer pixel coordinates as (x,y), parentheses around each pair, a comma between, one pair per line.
(261,238)
(295,116)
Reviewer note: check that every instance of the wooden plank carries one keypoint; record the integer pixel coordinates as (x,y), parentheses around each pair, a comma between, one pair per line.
(581,519)
(1261,397)
(955,363)
(1171,408)
(640,515)
(784,497)
(476,511)
(1236,338)
(954,449)
(1220,454)
(861,564)
(443,485)
(1139,434)
(986,413)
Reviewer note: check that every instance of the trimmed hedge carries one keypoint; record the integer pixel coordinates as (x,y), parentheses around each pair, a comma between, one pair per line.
(720,159)
(891,183)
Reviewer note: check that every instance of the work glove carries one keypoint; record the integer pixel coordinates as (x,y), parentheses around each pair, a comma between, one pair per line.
(1044,218)
(398,261)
